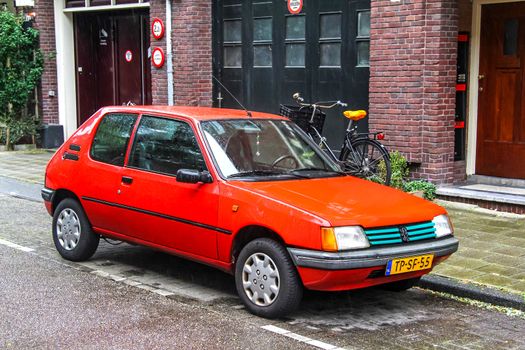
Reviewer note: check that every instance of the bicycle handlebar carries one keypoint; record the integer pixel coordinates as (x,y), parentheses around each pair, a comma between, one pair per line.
(320,104)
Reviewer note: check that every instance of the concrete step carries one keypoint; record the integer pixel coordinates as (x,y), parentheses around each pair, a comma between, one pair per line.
(495,181)
(507,198)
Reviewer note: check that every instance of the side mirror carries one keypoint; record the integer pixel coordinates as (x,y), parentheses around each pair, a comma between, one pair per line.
(193,176)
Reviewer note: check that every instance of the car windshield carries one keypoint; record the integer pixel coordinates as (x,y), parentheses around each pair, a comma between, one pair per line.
(265,148)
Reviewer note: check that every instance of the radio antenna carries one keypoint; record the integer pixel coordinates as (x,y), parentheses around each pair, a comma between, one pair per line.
(248,113)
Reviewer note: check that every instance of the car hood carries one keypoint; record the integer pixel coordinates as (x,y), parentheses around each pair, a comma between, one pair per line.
(347,200)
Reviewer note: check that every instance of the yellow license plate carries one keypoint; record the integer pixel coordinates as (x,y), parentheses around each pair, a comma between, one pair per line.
(412,263)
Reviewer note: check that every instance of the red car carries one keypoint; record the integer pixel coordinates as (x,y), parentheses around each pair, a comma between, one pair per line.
(251,195)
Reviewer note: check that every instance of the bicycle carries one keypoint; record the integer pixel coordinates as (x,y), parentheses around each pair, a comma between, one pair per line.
(361,154)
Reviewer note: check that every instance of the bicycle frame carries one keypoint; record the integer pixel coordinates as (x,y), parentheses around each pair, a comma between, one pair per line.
(351,136)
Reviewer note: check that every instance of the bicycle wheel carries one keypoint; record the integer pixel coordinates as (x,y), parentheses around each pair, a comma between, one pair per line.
(367,159)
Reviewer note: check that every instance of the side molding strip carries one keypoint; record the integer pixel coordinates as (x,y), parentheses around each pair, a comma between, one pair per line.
(160,215)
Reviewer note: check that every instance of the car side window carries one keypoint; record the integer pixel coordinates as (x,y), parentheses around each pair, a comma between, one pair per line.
(165,146)
(112,138)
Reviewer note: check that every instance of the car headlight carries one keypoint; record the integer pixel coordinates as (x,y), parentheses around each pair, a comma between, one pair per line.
(443,226)
(343,238)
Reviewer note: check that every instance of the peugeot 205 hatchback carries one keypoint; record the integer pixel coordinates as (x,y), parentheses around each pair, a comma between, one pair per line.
(250,195)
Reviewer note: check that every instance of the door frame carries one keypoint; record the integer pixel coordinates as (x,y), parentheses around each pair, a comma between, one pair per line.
(65,59)
(472,118)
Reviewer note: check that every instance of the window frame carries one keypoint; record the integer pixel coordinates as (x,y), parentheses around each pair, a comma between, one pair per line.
(128,143)
(294,41)
(232,43)
(361,39)
(257,43)
(331,40)
(181,120)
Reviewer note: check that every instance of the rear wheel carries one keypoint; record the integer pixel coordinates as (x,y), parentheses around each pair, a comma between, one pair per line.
(367,159)
(267,280)
(72,233)
(400,286)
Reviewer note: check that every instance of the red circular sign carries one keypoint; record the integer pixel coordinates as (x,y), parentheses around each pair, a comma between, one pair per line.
(157,28)
(128,56)
(295,6)
(157,57)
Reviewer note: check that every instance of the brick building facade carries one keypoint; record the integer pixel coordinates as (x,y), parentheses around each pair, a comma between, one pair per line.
(412,68)
(413,79)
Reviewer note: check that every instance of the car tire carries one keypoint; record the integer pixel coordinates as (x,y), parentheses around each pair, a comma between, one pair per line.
(72,234)
(400,286)
(266,279)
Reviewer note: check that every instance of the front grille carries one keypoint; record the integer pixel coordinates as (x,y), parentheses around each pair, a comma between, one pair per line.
(393,234)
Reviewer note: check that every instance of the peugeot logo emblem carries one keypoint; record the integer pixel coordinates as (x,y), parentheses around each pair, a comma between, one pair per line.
(404,233)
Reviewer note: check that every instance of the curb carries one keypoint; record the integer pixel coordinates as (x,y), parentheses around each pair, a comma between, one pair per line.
(472,291)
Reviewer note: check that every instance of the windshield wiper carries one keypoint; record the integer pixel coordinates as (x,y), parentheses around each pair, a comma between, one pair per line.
(255,173)
(316,169)
(264,173)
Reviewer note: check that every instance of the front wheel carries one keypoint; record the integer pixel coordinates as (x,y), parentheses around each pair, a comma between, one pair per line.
(367,159)
(266,279)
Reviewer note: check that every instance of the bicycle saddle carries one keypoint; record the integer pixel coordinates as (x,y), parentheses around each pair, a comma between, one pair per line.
(355,115)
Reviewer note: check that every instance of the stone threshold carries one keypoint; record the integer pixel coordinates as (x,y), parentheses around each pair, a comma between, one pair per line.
(500,194)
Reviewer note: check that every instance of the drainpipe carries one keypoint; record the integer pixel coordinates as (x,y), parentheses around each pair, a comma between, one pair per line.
(169,53)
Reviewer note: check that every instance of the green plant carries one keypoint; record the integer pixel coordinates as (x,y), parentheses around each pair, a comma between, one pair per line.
(399,167)
(428,188)
(21,66)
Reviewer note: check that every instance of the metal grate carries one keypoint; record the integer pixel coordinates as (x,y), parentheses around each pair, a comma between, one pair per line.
(395,234)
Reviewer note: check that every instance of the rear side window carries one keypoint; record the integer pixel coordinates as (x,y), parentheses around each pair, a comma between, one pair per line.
(165,146)
(112,138)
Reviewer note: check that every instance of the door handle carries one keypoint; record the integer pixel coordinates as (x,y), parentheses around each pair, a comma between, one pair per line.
(127,180)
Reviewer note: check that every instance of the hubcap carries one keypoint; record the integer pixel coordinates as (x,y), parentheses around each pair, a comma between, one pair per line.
(68,229)
(260,279)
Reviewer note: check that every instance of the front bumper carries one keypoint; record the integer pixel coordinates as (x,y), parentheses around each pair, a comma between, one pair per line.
(370,257)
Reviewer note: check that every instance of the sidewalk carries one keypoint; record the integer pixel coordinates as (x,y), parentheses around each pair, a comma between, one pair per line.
(491,251)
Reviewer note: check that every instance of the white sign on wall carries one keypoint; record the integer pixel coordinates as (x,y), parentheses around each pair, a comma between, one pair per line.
(22,3)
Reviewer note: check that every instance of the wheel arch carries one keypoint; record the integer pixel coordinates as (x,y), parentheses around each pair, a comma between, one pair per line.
(60,195)
(249,233)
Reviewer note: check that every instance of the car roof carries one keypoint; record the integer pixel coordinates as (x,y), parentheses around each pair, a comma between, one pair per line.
(196,113)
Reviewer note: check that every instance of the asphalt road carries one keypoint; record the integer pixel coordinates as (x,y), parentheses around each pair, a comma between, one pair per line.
(130,297)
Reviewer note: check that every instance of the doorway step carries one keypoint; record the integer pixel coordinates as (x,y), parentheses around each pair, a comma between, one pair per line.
(507,195)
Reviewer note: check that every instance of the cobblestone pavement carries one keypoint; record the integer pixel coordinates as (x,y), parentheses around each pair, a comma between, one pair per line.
(367,319)
(29,166)
(492,245)
(491,250)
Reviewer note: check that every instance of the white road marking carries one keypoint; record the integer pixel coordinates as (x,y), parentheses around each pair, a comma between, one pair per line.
(302,339)
(16,246)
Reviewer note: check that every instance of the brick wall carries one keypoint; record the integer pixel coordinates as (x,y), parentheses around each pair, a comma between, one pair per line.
(413,51)
(192,53)
(45,23)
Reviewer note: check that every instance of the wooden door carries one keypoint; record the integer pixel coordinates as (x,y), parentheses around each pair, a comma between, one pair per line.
(501,109)
(113,67)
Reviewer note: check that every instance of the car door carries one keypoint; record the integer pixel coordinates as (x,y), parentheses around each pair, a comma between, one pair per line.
(177,215)
(99,178)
